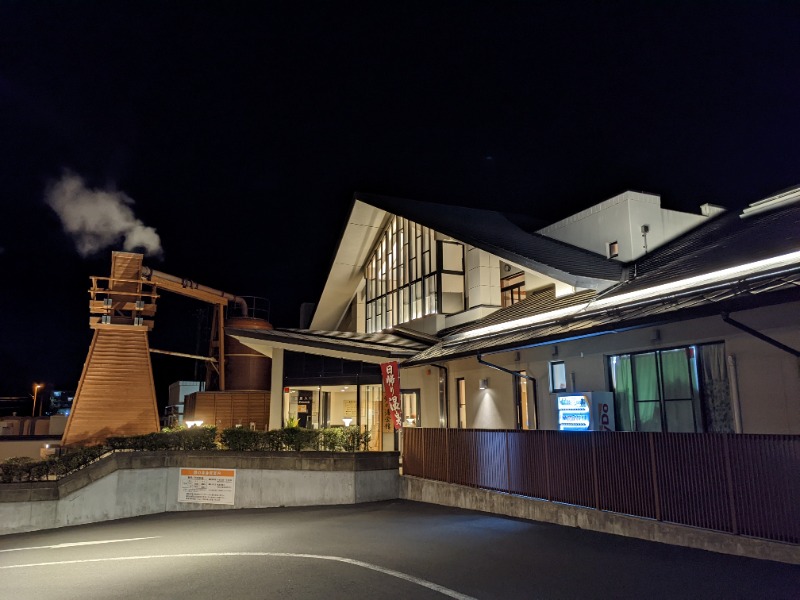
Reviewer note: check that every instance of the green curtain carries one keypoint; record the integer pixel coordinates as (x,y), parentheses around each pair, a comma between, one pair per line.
(623,394)
(648,405)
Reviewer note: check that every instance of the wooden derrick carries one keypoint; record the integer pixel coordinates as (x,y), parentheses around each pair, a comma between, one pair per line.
(116,394)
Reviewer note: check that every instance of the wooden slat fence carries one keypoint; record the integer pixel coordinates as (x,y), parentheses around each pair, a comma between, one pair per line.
(741,484)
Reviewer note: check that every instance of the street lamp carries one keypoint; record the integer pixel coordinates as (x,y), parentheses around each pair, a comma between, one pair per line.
(35,393)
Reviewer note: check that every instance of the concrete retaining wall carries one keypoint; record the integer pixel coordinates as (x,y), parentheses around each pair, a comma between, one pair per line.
(446,494)
(129,484)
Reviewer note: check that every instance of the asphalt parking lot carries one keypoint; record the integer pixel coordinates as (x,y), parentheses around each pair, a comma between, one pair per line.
(394,549)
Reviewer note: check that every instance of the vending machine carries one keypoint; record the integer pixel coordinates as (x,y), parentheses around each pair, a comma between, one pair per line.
(585,411)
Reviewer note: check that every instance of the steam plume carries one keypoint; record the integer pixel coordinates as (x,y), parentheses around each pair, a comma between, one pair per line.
(99,219)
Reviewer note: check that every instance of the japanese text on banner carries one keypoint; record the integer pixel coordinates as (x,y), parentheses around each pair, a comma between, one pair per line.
(391,391)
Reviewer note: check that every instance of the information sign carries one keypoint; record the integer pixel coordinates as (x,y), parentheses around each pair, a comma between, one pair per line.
(207,486)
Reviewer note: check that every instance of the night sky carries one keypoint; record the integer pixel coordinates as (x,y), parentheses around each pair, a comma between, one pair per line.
(240,134)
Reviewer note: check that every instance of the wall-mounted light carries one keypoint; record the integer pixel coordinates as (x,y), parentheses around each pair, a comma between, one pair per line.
(656,335)
(191,424)
(483,383)
(347,422)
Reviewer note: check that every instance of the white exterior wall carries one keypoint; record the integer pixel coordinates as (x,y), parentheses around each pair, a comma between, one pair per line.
(492,408)
(620,219)
(483,278)
(426,380)
(768,378)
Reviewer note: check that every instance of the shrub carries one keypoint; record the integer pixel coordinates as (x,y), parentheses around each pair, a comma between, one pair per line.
(298,438)
(180,438)
(330,439)
(355,440)
(274,440)
(16,469)
(74,459)
(239,439)
(196,438)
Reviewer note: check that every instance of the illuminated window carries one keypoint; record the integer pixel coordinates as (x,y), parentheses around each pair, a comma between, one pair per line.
(461,393)
(526,410)
(512,289)
(558,376)
(411,275)
(677,390)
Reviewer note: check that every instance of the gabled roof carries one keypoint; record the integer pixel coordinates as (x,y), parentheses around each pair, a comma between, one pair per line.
(538,301)
(730,263)
(488,230)
(494,232)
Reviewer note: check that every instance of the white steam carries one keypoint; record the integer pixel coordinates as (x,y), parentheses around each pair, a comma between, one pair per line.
(99,219)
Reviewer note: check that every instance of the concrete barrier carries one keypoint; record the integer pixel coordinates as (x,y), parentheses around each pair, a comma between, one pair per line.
(130,484)
(447,494)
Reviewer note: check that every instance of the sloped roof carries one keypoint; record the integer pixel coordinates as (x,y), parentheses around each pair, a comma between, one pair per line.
(367,347)
(489,230)
(722,242)
(729,263)
(538,301)
(762,291)
(494,232)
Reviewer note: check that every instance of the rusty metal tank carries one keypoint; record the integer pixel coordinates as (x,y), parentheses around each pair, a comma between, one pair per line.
(246,369)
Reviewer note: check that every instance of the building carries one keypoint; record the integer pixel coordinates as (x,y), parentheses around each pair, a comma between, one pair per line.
(174,410)
(689,319)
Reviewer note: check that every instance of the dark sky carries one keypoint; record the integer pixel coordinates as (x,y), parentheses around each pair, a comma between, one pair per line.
(241,133)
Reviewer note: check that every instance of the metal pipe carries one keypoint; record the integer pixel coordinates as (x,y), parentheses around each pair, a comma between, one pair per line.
(759,335)
(149,274)
(509,371)
(183,355)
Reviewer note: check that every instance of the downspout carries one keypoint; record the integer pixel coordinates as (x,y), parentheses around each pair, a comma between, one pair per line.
(516,374)
(764,338)
(509,371)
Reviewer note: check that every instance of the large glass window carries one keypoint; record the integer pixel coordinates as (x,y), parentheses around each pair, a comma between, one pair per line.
(410,275)
(677,390)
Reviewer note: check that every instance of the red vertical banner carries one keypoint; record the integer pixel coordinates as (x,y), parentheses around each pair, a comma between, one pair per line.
(391,392)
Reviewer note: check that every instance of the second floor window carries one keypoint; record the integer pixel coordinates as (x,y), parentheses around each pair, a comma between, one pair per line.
(512,289)
(411,274)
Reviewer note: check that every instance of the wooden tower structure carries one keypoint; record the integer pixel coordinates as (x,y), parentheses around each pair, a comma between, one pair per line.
(116,394)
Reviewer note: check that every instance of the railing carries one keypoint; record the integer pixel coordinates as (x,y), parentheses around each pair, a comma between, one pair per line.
(741,484)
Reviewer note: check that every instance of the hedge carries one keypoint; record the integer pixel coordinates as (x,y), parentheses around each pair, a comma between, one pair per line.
(332,439)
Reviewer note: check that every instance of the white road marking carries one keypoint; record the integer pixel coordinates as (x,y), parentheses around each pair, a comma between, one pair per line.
(350,561)
(69,545)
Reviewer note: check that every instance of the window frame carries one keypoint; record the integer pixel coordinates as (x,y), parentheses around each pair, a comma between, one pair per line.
(518,287)
(662,401)
(551,364)
(404,274)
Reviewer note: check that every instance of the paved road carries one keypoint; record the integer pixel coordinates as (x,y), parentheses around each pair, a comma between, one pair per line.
(384,550)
